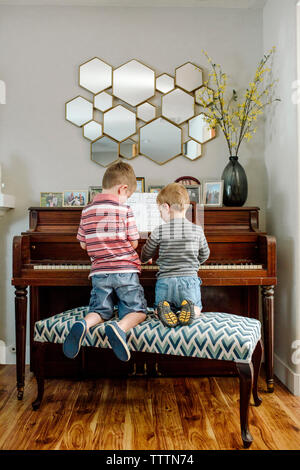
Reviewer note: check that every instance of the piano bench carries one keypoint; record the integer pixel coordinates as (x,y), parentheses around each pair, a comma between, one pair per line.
(218,336)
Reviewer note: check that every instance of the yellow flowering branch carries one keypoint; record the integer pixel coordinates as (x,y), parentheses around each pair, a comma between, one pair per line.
(236,119)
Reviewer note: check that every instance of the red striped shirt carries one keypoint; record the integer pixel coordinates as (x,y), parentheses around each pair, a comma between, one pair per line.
(107,227)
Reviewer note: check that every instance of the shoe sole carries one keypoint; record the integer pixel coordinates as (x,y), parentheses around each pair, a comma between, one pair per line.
(187,309)
(120,339)
(162,314)
(72,336)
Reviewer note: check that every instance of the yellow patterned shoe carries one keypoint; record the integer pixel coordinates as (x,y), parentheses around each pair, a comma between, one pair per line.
(186,314)
(167,317)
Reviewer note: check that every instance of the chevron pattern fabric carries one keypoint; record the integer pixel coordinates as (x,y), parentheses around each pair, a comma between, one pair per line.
(214,335)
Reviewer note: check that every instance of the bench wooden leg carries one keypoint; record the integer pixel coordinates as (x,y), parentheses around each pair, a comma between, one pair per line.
(39,374)
(256,361)
(245,372)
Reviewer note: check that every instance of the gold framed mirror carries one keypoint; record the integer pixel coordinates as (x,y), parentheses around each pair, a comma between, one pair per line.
(104,151)
(160,140)
(119,123)
(200,130)
(79,111)
(95,75)
(178,106)
(133,82)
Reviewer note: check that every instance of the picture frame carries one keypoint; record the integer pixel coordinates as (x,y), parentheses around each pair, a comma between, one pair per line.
(75,198)
(213,193)
(194,191)
(154,188)
(140,188)
(93,190)
(51,199)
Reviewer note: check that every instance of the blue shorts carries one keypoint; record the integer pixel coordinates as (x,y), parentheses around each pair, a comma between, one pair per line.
(122,289)
(176,289)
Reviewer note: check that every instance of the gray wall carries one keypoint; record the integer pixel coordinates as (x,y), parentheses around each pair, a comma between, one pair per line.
(41,48)
(282,163)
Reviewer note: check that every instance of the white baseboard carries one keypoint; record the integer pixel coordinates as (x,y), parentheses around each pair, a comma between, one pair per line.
(2,352)
(8,357)
(289,378)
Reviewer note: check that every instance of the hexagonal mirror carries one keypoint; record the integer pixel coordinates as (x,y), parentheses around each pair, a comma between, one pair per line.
(95,75)
(200,130)
(92,130)
(103,101)
(188,76)
(178,106)
(160,140)
(104,151)
(165,83)
(204,96)
(133,82)
(79,111)
(146,112)
(119,123)
(192,149)
(128,149)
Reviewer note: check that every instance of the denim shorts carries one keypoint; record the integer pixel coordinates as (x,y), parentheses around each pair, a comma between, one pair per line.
(176,289)
(122,289)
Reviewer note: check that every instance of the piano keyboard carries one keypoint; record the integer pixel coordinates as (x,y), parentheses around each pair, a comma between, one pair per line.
(149,267)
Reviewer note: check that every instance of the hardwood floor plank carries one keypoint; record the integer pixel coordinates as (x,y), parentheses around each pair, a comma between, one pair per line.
(109,426)
(197,429)
(80,431)
(221,417)
(167,423)
(139,422)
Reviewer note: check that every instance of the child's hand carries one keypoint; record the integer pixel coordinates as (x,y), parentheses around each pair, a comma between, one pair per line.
(150,261)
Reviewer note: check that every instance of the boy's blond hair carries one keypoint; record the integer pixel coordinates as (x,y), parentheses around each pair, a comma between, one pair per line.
(175,195)
(119,173)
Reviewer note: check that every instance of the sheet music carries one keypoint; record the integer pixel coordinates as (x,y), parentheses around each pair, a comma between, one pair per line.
(145,210)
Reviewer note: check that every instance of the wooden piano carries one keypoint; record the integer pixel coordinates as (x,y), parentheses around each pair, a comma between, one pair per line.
(48,259)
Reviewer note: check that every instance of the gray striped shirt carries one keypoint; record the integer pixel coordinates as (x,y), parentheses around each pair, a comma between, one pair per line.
(182,248)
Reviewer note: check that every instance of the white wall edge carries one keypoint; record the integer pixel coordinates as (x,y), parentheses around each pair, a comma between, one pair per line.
(288,377)
(10,358)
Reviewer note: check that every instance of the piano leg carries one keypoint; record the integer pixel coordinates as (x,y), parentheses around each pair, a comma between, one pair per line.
(21,316)
(268,319)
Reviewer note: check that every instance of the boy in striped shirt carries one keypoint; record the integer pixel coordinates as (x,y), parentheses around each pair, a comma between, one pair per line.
(108,233)
(182,248)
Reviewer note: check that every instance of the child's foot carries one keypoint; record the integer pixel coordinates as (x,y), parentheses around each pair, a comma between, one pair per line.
(186,314)
(117,339)
(71,346)
(167,317)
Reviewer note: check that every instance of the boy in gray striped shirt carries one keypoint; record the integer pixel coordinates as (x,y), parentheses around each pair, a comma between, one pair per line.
(182,248)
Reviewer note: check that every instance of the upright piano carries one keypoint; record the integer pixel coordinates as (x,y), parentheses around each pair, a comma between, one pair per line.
(48,259)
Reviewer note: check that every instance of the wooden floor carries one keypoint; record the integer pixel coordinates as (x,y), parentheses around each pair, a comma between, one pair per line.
(143,414)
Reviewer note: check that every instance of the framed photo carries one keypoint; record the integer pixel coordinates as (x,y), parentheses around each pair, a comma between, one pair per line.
(213,193)
(194,191)
(93,190)
(51,199)
(75,198)
(154,189)
(140,184)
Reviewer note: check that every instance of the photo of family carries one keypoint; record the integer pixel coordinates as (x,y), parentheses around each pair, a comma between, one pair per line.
(51,199)
(75,198)
(213,193)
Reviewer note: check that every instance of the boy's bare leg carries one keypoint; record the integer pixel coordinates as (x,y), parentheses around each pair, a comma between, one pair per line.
(131,320)
(93,319)
(197,311)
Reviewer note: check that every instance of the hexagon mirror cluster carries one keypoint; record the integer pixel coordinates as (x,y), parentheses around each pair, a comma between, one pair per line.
(112,128)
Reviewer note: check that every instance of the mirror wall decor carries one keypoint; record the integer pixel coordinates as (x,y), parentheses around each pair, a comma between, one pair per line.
(134,111)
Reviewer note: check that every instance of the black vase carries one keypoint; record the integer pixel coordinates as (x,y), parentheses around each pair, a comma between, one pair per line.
(235,183)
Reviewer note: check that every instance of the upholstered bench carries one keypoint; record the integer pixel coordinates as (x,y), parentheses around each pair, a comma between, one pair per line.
(218,336)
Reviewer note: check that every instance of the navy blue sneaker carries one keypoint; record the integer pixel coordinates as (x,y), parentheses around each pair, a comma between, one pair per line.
(71,346)
(117,340)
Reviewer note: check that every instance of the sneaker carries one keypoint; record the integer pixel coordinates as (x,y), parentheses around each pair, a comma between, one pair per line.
(71,346)
(117,339)
(186,314)
(167,317)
